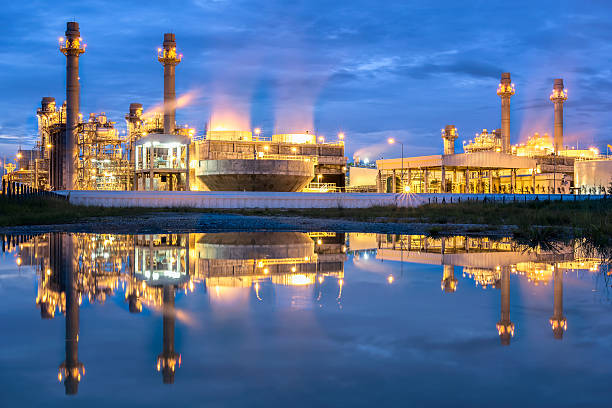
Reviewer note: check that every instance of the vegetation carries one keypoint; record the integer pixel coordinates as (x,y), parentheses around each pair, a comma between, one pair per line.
(536,220)
(53,210)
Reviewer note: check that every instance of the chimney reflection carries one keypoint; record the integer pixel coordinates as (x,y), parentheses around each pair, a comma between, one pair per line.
(162,265)
(558,322)
(71,369)
(168,360)
(505,328)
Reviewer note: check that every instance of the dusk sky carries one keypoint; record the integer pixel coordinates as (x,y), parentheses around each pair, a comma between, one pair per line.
(373,69)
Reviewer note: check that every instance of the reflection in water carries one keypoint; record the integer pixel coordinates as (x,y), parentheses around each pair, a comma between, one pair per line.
(234,268)
(488,262)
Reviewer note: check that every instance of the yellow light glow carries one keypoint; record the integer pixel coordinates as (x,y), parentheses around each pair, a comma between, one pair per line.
(341,135)
(390,279)
(257,131)
(391,140)
(406,189)
(299,280)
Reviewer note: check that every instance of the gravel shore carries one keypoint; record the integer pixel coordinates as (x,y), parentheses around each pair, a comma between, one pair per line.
(164,222)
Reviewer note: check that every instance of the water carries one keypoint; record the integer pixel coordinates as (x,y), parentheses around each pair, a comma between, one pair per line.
(294,319)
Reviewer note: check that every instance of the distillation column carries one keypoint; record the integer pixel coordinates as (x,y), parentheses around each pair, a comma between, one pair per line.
(72,49)
(558,322)
(169,59)
(558,97)
(505,328)
(505,90)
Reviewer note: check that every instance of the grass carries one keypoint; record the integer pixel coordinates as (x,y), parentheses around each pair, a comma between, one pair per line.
(52,210)
(536,220)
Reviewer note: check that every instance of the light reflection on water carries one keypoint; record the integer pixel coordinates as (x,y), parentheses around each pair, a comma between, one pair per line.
(329,303)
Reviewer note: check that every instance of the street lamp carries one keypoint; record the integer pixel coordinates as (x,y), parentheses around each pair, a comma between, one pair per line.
(392,141)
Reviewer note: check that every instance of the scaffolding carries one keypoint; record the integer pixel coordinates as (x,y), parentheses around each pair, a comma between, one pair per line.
(103,163)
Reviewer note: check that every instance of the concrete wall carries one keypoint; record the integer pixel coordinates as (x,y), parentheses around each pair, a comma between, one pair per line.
(222,199)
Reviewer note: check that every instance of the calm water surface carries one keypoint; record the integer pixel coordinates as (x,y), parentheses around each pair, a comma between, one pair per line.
(295,319)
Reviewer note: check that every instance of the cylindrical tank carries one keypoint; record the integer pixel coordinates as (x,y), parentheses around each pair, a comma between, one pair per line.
(592,173)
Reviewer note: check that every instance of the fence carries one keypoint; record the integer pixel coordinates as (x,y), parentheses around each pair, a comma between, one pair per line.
(15,190)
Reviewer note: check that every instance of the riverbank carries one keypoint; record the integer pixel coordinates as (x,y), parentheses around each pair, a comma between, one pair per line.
(548,219)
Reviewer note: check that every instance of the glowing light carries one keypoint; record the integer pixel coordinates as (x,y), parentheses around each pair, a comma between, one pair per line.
(299,280)
(257,131)
(321,139)
(341,135)
(390,279)
(406,189)
(19,261)
(391,140)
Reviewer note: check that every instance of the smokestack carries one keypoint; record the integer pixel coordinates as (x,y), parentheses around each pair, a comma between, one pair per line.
(169,59)
(505,90)
(558,97)
(72,49)
(449,134)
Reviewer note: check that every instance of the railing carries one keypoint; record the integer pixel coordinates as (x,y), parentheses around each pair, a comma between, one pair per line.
(263,156)
(322,188)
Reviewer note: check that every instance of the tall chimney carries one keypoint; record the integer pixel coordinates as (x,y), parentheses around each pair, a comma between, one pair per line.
(71,47)
(558,97)
(505,90)
(169,59)
(449,134)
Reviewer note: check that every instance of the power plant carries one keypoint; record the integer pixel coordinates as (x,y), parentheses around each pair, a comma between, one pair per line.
(157,154)
(490,164)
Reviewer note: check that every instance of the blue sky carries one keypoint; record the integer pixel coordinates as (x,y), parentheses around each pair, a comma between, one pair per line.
(372,69)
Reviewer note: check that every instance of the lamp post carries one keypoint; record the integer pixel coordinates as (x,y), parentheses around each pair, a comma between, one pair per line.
(392,141)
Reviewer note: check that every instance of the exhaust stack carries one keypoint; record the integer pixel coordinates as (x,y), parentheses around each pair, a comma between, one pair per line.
(505,90)
(169,59)
(71,47)
(558,97)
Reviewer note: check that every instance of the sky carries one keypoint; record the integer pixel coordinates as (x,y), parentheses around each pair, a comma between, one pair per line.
(371,69)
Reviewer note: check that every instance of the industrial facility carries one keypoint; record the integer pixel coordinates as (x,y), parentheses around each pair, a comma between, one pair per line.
(74,152)
(490,164)
(156,154)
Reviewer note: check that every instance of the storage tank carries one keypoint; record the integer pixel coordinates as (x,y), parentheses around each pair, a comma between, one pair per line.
(592,173)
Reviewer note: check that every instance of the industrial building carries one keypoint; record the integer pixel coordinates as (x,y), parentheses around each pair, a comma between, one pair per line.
(490,164)
(158,155)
